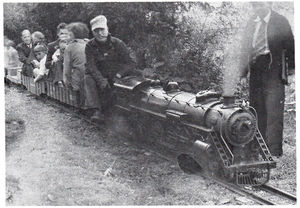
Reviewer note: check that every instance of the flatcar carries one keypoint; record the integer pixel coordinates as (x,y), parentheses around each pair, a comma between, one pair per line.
(214,135)
(64,95)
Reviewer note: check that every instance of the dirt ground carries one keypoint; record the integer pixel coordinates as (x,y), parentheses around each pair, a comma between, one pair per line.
(54,158)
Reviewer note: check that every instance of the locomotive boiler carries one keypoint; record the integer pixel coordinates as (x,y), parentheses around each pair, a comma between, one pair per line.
(214,135)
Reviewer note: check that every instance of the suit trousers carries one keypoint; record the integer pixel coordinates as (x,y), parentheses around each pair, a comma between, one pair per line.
(267,96)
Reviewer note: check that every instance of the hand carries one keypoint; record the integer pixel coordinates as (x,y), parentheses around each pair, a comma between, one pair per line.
(67,83)
(243,80)
(35,63)
(118,76)
(39,77)
(54,59)
(104,84)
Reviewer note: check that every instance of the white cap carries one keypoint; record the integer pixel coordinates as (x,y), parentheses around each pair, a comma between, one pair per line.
(98,22)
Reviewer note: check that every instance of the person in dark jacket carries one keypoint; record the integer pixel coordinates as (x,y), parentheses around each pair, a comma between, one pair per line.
(107,57)
(267,50)
(62,33)
(24,50)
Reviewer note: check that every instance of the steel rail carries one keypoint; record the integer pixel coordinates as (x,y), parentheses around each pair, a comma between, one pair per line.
(241,191)
(278,192)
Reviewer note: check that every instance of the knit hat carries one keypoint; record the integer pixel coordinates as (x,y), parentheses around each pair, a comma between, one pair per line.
(98,22)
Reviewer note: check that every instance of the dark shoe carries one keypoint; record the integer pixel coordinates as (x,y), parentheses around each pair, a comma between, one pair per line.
(98,117)
(278,155)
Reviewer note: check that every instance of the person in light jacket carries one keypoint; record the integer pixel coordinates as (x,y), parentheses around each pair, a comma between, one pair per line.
(75,59)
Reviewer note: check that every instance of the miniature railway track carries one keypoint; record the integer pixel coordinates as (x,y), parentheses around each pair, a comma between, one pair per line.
(278,192)
(274,192)
(242,191)
(250,194)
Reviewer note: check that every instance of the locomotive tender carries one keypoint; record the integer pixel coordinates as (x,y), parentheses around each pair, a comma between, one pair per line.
(208,133)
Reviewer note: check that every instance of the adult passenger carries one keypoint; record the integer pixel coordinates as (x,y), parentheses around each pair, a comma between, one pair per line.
(62,32)
(11,58)
(268,44)
(107,58)
(74,58)
(38,38)
(24,50)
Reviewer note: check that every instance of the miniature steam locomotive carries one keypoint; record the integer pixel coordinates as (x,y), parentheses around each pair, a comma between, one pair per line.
(214,135)
(217,137)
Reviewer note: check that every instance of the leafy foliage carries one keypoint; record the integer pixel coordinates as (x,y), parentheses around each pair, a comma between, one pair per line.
(189,42)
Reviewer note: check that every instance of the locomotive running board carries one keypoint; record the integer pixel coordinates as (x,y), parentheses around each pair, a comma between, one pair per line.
(123,86)
(177,115)
(122,108)
(147,111)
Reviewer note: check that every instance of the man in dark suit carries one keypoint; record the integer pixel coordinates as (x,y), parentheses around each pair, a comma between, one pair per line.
(267,50)
(24,50)
(53,46)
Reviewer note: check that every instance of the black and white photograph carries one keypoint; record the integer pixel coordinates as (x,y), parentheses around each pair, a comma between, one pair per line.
(153,103)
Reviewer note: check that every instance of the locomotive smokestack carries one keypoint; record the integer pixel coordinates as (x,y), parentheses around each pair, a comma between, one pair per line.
(228,101)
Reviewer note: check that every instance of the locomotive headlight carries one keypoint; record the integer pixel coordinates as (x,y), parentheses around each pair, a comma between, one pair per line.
(240,128)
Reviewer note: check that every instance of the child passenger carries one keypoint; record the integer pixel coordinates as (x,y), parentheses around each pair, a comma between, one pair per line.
(39,71)
(58,60)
